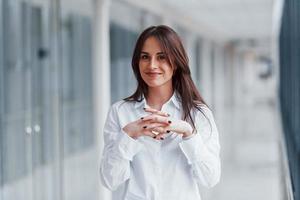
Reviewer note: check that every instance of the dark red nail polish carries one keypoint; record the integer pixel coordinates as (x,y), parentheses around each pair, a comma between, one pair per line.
(168,131)
(144,108)
(142,117)
(162,138)
(145,127)
(168,115)
(169,122)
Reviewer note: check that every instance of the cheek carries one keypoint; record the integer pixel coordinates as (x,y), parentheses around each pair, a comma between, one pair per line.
(169,72)
(141,66)
(141,72)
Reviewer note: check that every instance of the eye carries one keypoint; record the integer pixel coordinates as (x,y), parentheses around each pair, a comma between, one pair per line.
(161,57)
(144,57)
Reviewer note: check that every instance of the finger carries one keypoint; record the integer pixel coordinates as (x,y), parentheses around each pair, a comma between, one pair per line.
(154,125)
(158,112)
(155,133)
(144,123)
(147,125)
(149,133)
(157,118)
(150,110)
(163,113)
(142,119)
(160,136)
(159,130)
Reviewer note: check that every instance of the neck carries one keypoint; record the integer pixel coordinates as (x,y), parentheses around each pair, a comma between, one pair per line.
(158,96)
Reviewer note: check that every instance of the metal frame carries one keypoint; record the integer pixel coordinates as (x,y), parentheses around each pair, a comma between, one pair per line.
(1,94)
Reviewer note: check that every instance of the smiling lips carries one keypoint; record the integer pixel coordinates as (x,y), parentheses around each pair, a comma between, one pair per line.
(153,74)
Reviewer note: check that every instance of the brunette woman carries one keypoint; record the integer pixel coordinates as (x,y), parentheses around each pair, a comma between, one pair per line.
(161,143)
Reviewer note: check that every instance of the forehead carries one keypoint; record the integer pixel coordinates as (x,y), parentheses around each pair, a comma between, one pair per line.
(152,44)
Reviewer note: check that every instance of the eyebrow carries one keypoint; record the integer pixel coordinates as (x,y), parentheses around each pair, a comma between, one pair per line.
(143,52)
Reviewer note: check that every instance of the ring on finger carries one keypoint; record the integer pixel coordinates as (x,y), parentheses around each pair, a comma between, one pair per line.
(155,132)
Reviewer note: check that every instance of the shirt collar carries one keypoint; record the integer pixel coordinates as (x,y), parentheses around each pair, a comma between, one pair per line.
(175,99)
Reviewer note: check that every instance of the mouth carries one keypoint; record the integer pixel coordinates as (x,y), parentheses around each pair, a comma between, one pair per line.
(153,74)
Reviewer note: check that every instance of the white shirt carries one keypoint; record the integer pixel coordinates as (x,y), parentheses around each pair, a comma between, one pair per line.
(149,169)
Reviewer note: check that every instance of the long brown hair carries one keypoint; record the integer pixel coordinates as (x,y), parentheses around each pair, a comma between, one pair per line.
(177,57)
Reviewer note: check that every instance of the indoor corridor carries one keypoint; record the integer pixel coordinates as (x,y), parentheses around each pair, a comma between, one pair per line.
(63,63)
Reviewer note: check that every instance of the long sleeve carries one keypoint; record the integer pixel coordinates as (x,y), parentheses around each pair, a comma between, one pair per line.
(203,149)
(119,149)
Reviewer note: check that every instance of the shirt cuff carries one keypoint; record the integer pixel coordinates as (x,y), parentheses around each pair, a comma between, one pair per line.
(127,146)
(193,148)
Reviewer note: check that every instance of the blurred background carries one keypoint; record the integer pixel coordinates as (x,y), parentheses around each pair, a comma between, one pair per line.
(64,62)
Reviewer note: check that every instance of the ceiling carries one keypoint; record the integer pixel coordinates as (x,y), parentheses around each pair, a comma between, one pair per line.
(233,19)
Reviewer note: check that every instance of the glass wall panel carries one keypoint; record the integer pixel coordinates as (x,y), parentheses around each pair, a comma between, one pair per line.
(79,149)
(41,96)
(289,91)
(1,97)
(212,75)
(198,63)
(77,87)
(35,164)
(26,132)
(122,43)
(126,23)
(15,117)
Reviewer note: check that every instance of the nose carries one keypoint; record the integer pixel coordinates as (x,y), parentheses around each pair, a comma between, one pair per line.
(153,63)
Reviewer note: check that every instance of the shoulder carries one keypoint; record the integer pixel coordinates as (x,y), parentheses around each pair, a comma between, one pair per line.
(118,110)
(205,108)
(117,104)
(202,107)
(122,112)
(203,112)
(122,105)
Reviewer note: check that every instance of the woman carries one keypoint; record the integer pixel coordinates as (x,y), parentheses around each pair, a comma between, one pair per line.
(161,142)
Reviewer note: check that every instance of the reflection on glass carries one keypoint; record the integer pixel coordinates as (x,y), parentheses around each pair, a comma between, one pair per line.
(122,78)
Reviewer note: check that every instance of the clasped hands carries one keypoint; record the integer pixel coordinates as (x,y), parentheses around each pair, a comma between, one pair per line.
(156,124)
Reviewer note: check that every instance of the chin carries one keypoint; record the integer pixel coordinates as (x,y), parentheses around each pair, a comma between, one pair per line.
(152,84)
(155,84)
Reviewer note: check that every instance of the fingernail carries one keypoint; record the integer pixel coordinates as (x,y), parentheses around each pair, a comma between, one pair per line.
(144,108)
(169,122)
(162,138)
(168,131)
(154,136)
(145,127)
(142,117)
(168,114)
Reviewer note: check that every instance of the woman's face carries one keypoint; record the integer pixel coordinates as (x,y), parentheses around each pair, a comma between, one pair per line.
(154,67)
